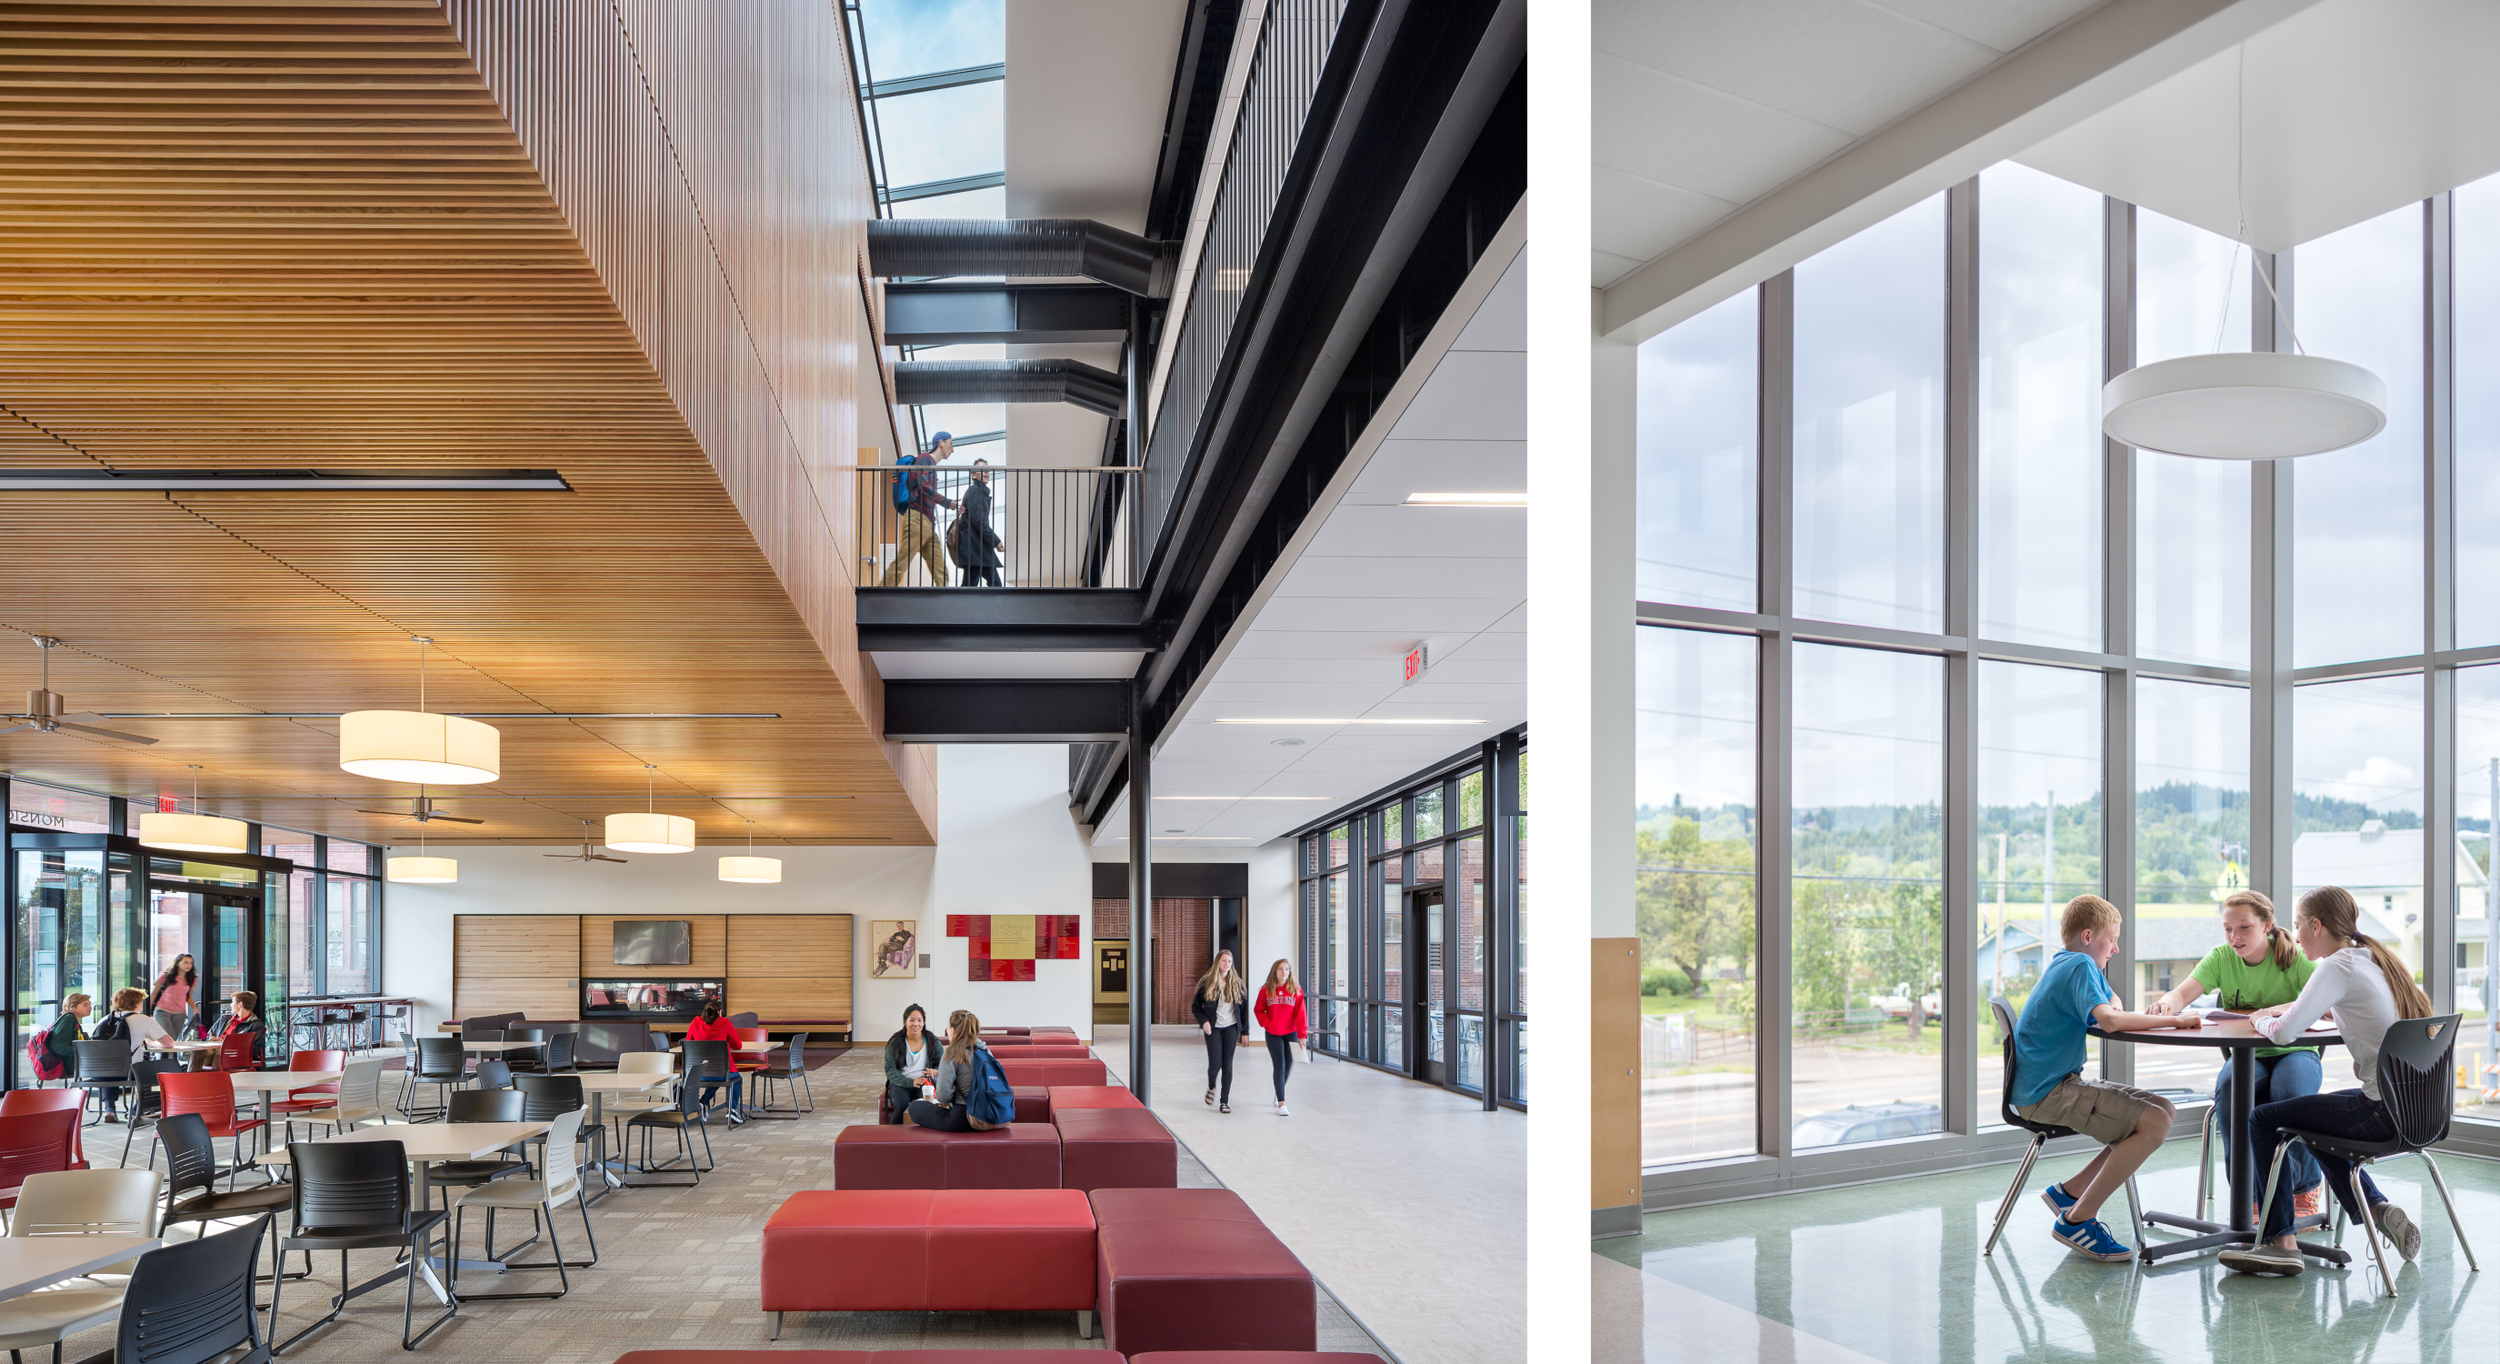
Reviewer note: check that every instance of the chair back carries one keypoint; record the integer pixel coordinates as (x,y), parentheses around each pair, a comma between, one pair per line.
(562,1165)
(798,1052)
(439,1058)
(544,1098)
(35,1143)
(145,1077)
(234,1051)
(108,1059)
(191,1301)
(2004,1011)
(706,1062)
(190,1154)
(18,1101)
(645,1063)
(348,1186)
(88,1203)
(2416,1061)
(360,1088)
(750,1037)
(318,1060)
(205,1092)
(486,1105)
(494,1075)
(559,1051)
(491,1031)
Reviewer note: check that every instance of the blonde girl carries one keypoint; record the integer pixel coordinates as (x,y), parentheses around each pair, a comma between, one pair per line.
(1218,1005)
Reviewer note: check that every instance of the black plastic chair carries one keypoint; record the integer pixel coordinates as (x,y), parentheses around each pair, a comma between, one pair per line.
(746,1020)
(492,1075)
(190,1301)
(353,1195)
(150,1102)
(191,1165)
(103,1066)
(476,1105)
(2415,1062)
(559,1055)
(2042,1133)
(686,1115)
(792,1072)
(531,1059)
(442,1064)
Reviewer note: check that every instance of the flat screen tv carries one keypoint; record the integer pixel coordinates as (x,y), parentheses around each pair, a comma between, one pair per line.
(654,942)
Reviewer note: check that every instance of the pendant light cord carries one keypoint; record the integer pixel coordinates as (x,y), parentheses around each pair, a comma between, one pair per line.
(2265,273)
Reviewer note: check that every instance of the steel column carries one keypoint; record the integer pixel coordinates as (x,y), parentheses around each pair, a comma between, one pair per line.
(2270,825)
(1961,667)
(2439,733)
(2118,620)
(1140,898)
(1774,703)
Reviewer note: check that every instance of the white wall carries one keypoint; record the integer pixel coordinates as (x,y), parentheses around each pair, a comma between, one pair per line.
(1006,845)
(1270,911)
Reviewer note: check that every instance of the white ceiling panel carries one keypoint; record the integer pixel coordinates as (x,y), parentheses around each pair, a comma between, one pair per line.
(1501,321)
(1329,575)
(1408,617)
(1472,395)
(1423,532)
(1401,468)
(1725,147)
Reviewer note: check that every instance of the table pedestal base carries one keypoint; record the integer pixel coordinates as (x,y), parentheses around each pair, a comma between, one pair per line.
(2219,1235)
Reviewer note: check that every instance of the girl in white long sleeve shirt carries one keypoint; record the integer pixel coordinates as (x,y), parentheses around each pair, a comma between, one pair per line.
(2368,989)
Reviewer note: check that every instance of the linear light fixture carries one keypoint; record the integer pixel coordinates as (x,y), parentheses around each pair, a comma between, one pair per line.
(1326,720)
(1466,499)
(281,480)
(1160,797)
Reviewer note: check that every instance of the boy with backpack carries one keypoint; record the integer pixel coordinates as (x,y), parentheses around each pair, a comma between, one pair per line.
(916,500)
(126,1023)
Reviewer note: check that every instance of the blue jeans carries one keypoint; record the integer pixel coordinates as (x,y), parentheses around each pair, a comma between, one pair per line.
(2345,1113)
(2290,1076)
(737,1091)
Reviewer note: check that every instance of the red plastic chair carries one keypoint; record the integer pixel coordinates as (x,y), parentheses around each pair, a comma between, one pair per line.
(18,1101)
(235,1052)
(749,1037)
(34,1144)
(328,1090)
(211,1095)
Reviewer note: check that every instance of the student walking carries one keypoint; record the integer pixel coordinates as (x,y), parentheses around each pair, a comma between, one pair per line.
(916,500)
(911,1056)
(2049,1084)
(2369,988)
(1218,1005)
(171,1000)
(1281,1017)
(976,540)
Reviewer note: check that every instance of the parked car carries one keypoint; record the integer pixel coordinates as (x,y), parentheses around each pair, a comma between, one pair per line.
(1867,1122)
(1896,1006)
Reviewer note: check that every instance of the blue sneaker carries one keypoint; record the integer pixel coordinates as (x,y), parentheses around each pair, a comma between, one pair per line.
(2092,1241)
(2057,1198)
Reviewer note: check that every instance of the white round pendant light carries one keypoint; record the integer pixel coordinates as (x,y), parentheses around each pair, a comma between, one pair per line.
(421,871)
(750,869)
(174,831)
(648,831)
(2244,405)
(418,746)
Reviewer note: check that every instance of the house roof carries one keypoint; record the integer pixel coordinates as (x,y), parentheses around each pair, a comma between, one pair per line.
(2371,858)
(2187,938)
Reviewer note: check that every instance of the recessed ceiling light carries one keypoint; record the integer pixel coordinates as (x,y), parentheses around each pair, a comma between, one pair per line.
(1466,499)
(1328,720)
(1284,743)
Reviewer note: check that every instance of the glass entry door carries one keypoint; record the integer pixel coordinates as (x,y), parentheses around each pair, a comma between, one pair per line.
(71,929)
(1426,933)
(220,931)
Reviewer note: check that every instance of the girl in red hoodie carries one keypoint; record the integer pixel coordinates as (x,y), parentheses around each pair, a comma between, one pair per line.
(1280,1015)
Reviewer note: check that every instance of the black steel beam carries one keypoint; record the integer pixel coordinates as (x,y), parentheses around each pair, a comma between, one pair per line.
(918,619)
(1014,314)
(1040,711)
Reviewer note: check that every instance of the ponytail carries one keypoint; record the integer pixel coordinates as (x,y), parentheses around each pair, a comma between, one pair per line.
(2285,950)
(2410,1001)
(2333,909)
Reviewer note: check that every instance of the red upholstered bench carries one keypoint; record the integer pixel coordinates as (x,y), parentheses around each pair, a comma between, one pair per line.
(1114,1148)
(1092,1096)
(1251,1357)
(883,1357)
(1017,1156)
(1032,1103)
(1052,1073)
(1006,1052)
(1195,1269)
(931,1250)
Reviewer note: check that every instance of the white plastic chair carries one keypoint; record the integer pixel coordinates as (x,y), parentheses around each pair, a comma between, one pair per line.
(560,1179)
(359,1100)
(77,1203)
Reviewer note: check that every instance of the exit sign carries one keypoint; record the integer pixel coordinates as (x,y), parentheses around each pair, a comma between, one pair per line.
(1417,660)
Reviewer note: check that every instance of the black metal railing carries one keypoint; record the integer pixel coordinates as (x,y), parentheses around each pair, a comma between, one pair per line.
(949,525)
(1295,39)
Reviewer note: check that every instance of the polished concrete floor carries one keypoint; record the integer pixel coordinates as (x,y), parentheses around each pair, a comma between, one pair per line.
(1892,1272)
(1407,1200)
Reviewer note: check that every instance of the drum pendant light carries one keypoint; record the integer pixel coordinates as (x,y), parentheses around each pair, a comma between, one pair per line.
(194,832)
(750,869)
(2245,404)
(418,746)
(421,870)
(648,831)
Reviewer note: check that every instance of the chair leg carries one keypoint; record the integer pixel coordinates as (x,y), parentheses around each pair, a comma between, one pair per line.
(2369,1228)
(2441,1183)
(2135,1215)
(2274,1176)
(2204,1164)
(2014,1190)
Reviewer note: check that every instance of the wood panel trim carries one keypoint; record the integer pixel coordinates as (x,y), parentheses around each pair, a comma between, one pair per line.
(1615,1073)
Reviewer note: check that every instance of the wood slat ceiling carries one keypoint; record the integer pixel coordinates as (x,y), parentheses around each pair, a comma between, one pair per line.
(304,236)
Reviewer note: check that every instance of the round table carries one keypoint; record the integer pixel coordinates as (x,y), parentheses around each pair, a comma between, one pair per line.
(2241,1039)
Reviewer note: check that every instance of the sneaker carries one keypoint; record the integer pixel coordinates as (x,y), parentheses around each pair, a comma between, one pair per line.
(2092,1240)
(1282,1111)
(2309,1202)
(2396,1227)
(2055,1195)
(113,1117)
(2262,1259)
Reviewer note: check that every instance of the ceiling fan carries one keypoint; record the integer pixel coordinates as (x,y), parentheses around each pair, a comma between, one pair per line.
(46,711)
(585,855)
(422,812)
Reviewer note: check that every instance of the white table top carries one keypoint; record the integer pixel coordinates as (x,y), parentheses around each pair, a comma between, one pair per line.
(189,1046)
(502,1046)
(279,1081)
(432,1141)
(31,1262)
(614,1082)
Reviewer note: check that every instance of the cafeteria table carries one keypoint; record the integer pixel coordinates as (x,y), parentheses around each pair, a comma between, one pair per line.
(2241,1039)
(429,1143)
(31,1262)
(596,1086)
(267,1082)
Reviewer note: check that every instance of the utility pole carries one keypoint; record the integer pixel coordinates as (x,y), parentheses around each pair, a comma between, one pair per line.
(2491,933)
(2001,894)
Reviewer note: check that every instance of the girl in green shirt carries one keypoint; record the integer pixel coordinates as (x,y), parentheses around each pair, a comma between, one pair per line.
(2258,965)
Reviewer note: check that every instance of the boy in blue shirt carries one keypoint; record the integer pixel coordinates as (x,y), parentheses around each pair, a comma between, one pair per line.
(2050,1087)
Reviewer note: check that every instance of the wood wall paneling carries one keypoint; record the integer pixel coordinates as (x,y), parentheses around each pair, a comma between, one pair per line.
(790,965)
(1614,1073)
(503,962)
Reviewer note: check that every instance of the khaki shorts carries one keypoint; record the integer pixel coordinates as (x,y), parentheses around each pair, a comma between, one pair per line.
(2104,1112)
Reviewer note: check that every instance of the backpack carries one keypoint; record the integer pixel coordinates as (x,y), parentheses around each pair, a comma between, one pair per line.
(39,1056)
(902,483)
(114,1025)
(993,1100)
